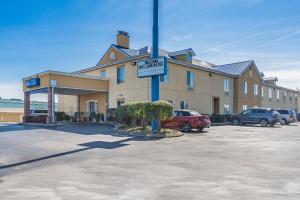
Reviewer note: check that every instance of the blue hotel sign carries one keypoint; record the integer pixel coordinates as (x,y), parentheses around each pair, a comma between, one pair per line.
(152,67)
(34,82)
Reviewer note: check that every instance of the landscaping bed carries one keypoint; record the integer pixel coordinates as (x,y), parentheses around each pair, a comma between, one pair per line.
(146,132)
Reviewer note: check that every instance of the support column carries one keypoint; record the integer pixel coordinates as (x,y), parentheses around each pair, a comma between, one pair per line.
(78,117)
(50,106)
(78,103)
(26,106)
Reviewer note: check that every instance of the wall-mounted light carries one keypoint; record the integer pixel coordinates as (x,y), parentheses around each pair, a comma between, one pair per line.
(133,63)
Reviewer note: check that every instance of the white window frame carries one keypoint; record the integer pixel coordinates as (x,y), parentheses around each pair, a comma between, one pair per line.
(245,87)
(245,107)
(190,82)
(278,95)
(255,89)
(226,109)
(112,56)
(95,105)
(262,91)
(226,85)
(103,72)
(185,105)
(270,93)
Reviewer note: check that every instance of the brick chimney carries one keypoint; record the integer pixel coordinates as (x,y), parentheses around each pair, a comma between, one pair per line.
(123,39)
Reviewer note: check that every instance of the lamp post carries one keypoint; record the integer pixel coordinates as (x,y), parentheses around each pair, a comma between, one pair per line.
(155,53)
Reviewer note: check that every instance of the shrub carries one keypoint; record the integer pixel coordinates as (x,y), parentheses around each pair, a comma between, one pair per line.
(143,112)
(36,119)
(60,116)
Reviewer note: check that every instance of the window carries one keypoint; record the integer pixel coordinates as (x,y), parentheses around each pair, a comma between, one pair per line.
(184,105)
(245,107)
(291,97)
(120,102)
(270,93)
(120,75)
(278,95)
(247,112)
(245,87)
(226,86)
(262,91)
(190,79)
(283,112)
(258,111)
(284,96)
(226,109)
(255,89)
(103,73)
(164,78)
(112,56)
(251,73)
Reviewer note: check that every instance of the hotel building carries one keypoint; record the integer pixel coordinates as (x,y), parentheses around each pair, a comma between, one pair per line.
(190,84)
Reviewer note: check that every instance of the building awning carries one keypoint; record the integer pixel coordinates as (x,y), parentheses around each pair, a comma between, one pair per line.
(65,83)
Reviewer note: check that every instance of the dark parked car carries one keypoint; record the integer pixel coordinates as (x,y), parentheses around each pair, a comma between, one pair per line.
(262,116)
(187,120)
(298,117)
(287,116)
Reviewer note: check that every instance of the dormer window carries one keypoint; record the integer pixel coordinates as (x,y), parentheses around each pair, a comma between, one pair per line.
(185,55)
(112,56)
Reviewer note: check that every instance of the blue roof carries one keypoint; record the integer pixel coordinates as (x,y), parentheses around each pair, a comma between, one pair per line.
(235,69)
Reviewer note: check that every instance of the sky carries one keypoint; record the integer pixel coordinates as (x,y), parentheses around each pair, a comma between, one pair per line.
(68,35)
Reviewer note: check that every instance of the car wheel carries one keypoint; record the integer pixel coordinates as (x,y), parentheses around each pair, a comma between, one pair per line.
(264,122)
(236,121)
(186,127)
(283,122)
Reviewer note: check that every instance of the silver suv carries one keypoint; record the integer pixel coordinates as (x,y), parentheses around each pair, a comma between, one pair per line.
(262,116)
(287,116)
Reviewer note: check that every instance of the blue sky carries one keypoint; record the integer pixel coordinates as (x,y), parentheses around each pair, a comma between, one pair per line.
(67,35)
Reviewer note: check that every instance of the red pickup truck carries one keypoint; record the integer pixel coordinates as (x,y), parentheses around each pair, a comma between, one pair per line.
(186,120)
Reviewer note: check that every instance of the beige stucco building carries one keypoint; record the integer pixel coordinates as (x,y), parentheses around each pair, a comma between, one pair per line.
(190,83)
(279,97)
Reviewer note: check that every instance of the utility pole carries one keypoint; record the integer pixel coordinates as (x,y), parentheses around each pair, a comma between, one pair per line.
(155,54)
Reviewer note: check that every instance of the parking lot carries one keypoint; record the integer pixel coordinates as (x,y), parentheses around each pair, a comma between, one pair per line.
(90,162)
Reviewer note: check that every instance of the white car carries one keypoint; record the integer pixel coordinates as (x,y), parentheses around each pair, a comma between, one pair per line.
(287,116)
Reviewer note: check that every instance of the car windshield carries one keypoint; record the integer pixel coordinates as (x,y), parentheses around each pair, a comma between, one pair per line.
(194,113)
(293,112)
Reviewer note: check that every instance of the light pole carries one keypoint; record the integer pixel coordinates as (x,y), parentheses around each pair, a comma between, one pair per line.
(155,54)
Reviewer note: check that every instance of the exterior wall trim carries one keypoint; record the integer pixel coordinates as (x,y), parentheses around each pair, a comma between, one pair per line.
(282,88)
(85,89)
(110,64)
(64,74)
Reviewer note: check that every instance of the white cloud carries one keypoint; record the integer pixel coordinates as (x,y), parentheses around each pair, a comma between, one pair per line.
(15,91)
(179,38)
(286,77)
(280,38)
(11,90)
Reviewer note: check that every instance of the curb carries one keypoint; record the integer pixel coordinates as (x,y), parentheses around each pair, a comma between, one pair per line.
(40,125)
(221,124)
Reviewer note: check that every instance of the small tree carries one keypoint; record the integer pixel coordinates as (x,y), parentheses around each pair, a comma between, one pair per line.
(144,112)
(161,111)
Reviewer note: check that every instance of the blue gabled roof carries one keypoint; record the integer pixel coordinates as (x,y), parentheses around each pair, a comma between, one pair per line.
(235,69)
(181,52)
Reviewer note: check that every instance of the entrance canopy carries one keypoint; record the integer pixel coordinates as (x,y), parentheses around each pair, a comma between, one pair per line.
(64,83)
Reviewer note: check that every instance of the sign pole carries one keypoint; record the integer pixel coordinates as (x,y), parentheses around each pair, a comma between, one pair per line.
(155,53)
